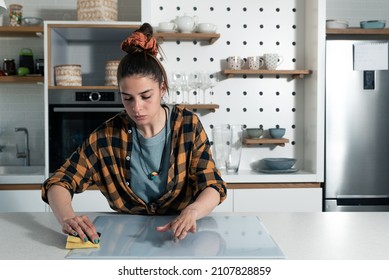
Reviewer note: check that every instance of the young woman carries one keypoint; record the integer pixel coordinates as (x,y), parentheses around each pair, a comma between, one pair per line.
(149,159)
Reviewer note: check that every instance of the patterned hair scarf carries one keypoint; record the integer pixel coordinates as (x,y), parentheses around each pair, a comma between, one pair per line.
(140,40)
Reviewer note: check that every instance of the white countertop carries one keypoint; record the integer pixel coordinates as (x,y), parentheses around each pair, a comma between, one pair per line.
(15,174)
(301,236)
(36,175)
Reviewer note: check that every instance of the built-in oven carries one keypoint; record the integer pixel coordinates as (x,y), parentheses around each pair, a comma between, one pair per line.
(72,116)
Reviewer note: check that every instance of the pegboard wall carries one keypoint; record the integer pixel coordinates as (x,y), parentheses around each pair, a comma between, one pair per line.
(247,28)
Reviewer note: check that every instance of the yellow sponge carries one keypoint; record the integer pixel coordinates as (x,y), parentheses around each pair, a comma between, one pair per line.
(75,242)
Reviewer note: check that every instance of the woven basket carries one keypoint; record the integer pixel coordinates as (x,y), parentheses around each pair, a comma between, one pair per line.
(68,75)
(97,10)
(111,68)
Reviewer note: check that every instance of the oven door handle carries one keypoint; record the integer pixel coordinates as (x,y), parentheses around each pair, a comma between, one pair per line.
(87,109)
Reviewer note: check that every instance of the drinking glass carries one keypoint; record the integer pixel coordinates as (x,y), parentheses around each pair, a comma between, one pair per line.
(228,146)
(233,147)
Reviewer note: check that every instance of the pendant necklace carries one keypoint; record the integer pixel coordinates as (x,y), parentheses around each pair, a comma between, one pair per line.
(153,174)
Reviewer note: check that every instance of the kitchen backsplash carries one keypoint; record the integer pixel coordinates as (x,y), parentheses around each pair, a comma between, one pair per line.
(21,106)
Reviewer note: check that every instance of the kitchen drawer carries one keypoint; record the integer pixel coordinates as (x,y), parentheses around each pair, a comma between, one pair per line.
(90,201)
(278,200)
(21,201)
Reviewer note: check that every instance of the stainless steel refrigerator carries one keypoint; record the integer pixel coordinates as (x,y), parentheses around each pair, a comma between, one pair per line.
(357,131)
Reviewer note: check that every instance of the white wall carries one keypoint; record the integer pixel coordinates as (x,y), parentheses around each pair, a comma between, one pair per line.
(22,105)
(355,11)
(248,28)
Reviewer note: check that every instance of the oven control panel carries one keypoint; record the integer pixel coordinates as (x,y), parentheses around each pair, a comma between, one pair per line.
(95,96)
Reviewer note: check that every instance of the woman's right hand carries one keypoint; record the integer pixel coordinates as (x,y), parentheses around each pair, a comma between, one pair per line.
(81,226)
(61,203)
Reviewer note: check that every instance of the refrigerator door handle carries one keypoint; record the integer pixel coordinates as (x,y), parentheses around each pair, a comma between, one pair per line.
(353,200)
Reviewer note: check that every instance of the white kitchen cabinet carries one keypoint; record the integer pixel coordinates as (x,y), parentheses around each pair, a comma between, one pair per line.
(228,204)
(21,201)
(90,201)
(278,200)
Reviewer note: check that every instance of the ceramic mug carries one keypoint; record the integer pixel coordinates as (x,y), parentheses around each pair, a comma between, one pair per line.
(167,26)
(206,27)
(235,62)
(272,60)
(255,62)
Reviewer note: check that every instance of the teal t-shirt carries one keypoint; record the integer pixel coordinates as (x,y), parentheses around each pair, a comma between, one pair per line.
(150,190)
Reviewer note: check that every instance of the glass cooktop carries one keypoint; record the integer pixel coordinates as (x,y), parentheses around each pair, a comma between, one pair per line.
(133,236)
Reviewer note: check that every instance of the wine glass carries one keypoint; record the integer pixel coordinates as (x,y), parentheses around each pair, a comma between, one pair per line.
(175,84)
(205,83)
(186,87)
(195,82)
(212,83)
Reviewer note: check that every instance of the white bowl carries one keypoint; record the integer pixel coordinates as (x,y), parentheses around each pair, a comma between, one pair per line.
(167,27)
(337,24)
(206,27)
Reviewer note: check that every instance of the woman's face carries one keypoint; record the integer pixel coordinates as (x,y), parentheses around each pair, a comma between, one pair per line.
(141,97)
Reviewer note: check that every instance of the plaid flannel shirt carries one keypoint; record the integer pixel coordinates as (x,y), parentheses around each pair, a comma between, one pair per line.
(103,160)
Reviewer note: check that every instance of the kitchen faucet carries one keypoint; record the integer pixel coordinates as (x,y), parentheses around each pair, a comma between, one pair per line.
(1,146)
(26,153)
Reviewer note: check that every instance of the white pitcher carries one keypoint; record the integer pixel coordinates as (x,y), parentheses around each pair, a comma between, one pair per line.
(186,24)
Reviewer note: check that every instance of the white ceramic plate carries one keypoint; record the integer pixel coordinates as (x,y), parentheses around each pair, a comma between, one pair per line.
(290,170)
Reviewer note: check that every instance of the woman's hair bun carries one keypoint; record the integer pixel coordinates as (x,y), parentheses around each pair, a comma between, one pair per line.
(141,40)
(146,29)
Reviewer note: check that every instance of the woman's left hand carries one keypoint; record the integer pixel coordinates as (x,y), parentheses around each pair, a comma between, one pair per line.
(182,224)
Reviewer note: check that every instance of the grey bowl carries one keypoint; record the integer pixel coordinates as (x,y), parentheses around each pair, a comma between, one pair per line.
(254,132)
(277,132)
(373,24)
(279,163)
(32,21)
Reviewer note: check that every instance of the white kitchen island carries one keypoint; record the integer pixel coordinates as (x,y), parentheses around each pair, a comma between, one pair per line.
(301,236)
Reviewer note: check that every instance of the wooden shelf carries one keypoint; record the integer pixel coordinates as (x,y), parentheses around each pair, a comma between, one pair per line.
(357,31)
(294,73)
(266,141)
(176,36)
(25,80)
(210,107)
(21,31)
